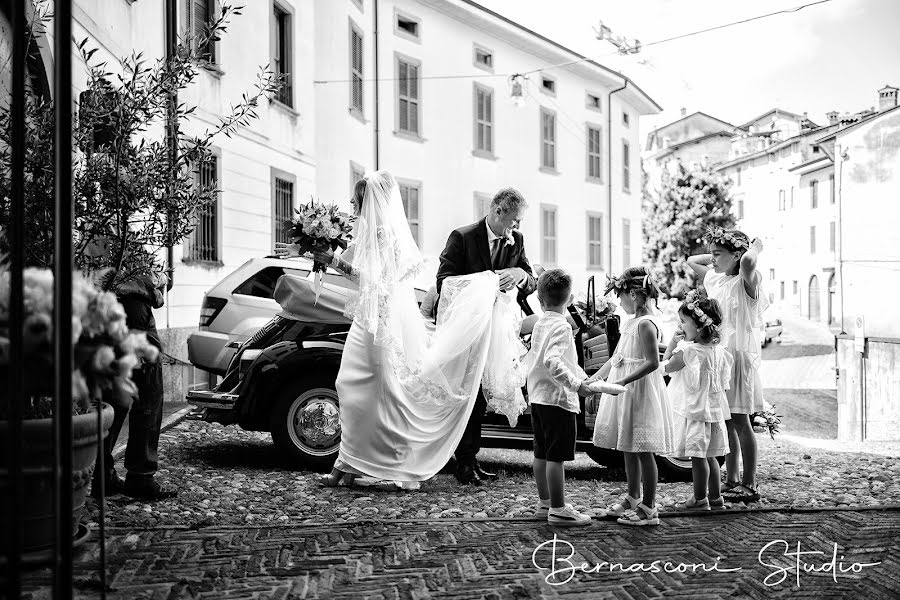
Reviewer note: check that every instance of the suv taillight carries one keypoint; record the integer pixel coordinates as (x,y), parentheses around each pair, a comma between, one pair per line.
(210,309)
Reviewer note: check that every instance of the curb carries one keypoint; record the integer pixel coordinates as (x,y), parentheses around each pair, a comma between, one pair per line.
(536,521)
(169,422)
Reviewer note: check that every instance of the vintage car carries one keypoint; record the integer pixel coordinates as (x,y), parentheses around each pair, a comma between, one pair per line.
(282,379)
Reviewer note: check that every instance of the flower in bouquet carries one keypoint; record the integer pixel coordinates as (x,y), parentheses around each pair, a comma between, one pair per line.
(766,420)
(317,227)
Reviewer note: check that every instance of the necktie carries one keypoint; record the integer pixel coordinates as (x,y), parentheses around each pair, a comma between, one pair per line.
(495,251)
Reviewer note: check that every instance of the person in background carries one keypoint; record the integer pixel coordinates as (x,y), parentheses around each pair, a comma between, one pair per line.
(139,296)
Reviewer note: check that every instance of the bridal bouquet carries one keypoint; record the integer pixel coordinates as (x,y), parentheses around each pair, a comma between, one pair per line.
(318,227)
(766,420)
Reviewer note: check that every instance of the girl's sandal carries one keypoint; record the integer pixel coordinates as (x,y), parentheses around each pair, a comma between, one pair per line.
(625,505)
(640,516)
(742,493)
(694,505)
(729,485)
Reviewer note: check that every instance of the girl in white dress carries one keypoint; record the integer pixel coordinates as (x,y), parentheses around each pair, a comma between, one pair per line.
(730,277)
(639,421)
(701,372)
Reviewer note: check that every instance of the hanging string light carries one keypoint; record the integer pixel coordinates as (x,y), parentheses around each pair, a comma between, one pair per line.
(516,92)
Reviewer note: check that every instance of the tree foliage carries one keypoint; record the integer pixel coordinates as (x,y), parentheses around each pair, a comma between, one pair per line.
(675,219)
(131,196)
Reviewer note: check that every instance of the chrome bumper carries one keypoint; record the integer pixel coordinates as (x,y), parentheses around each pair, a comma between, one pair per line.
(211,399)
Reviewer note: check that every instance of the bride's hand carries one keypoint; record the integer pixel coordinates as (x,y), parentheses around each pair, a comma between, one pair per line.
(323,256)
(284,250)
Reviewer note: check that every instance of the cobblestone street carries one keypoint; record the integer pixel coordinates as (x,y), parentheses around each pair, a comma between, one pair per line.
(470,559)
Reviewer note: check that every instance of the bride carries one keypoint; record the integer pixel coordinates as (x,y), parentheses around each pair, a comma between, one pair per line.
(405,390)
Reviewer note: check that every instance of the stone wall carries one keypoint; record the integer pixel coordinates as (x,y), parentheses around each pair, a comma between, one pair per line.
(178,374)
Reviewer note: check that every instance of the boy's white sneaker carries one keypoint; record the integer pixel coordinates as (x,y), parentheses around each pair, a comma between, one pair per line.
(567,517)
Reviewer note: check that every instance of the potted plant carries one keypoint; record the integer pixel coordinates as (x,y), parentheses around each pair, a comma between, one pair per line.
(105,352)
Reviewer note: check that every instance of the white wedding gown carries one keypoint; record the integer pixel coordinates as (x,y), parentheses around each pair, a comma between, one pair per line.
(392,427)
(405,390)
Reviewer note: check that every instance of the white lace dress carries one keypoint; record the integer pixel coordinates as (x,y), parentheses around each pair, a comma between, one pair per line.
(699,403)
(640,419)
(742,333)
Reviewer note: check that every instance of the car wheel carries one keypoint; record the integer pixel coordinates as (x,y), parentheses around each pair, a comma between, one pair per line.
(306,423)
(606,457)
(677,468)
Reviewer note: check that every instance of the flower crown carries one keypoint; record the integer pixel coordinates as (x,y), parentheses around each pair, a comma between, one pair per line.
(620,283)
(692,303)
(717,235)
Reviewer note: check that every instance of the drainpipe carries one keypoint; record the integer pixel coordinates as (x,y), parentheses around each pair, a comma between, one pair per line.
(375,38)
(609,178)
(839,183)
(171,17)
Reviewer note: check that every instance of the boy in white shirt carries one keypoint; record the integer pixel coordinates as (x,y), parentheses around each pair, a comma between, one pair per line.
(554,383)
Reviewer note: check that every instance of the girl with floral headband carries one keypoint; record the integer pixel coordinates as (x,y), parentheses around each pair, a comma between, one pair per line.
(730,277)
(701,371)
(638,422)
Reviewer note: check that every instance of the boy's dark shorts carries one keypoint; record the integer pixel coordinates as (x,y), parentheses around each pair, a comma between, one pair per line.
(554,433)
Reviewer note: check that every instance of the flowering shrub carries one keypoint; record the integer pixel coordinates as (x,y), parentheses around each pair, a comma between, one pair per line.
(105,351)
(318,227)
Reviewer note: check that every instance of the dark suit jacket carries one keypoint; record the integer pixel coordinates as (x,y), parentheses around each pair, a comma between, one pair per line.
(467,251)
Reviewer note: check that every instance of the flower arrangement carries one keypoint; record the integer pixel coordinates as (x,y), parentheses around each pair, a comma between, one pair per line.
(105,351)
(318,227)
(766,420)
(728,239)
(602,309)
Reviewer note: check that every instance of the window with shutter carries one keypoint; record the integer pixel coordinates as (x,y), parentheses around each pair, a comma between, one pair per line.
(200,14)
(626,243)
(548,237)
(626,166)
(408,97)
(356,70)
(548,139)
(595,240)
(409,194)
(282,58)
(593,153)
(484,120)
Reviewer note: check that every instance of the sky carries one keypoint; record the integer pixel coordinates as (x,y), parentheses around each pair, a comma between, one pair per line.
(831,56)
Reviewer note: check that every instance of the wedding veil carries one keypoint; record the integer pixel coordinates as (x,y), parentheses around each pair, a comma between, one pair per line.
(439,368)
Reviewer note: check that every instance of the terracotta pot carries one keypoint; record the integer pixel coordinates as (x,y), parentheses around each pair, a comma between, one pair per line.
(38,460)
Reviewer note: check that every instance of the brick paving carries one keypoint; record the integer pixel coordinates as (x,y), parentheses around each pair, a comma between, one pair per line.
(463,559)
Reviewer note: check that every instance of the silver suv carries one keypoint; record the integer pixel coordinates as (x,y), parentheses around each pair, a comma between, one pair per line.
(239,305)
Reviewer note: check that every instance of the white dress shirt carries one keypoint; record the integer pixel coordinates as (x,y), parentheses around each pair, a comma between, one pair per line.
(553,372)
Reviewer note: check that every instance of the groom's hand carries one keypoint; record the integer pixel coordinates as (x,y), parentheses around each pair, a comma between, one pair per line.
(512,277)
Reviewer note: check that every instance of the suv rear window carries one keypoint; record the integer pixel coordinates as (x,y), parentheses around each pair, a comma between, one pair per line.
(262,284)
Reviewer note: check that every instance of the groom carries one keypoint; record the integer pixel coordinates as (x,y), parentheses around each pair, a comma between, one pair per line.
(492,244)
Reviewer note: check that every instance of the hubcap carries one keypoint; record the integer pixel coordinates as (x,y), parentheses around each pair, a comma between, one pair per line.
(314,422)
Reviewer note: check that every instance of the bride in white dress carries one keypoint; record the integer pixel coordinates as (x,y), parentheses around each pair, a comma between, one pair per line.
(405,391)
